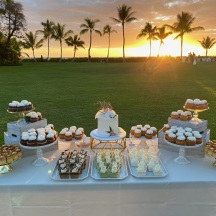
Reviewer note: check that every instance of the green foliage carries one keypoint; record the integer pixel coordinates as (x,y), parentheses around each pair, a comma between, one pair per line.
(207,43)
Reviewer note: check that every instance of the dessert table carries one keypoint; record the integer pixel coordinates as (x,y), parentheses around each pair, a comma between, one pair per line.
(187,190)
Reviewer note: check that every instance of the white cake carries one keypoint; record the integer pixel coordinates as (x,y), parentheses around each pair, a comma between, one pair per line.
(107,122)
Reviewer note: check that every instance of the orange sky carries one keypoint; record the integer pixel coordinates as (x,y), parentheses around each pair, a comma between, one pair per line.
(159,12)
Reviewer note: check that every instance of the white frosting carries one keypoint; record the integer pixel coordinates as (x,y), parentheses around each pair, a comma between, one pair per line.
(179,134)
(31,130)
(25,137)
(78,132)
(181,137)
(195,132)
(171,135)
(180,111)
(183,114)
(149,131)
(166,126)
(33,134)
(153,128)
(68,134)
(188,113)
(197,135)
(187,129)
(172,130)
(139,126)
(143,129)
(189,101)
(41,138)
(191,138)
(137,130)
(197,101)
(147,126)
(188,134)
(133,127)
(63,132)
(50,135)
(24,133)
(173,127)
(72,130)
(32,138)
(174,113)
(73,127)
(19,105)
(34,115)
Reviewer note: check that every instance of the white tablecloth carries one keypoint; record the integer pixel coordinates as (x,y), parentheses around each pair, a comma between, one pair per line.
(187,190)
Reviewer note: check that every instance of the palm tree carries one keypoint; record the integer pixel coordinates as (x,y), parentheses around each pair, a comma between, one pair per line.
(89,25)
(150,32)
(47,32)
(207,43)
(108,30)
(183,26)
(59,33)
(75,42)
(161,35)
(125,15)
(30,42)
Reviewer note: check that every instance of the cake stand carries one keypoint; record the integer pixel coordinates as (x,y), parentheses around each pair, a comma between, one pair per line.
(40,160)
(111,142)
(21,114)
(195,118)
(181,159)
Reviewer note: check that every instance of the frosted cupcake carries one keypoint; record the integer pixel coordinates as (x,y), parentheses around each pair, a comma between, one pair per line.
(24,139)
(137,133)
(197,104)
(188,134)
(191,141)
(189,115)
(41,140)
(81,129)
(78,135)
(154,129)
(32,141)
(198,138)
(132,130)
(180,140)
(62,134)
(149,134)
(174,115)
(50,138)
(34,117)
(147,126)
(166,127)
(143,131)
(172,137)
(189,104)
(139,126)
(179,112)
(183,116)
(187,129)
(68,136)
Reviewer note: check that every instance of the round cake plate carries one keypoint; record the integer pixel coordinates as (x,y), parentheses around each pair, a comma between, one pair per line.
(94,134)
(195,118)
(21,114)
(181,159)
(40,160)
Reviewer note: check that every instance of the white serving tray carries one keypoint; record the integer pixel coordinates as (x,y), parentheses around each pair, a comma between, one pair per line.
(148,173)
(85,173)
(122,174)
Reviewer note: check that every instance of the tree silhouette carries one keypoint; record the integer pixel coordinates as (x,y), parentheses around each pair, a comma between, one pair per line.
(207,43)
(125,15)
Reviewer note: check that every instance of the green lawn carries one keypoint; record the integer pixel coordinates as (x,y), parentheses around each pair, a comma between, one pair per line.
(66,93)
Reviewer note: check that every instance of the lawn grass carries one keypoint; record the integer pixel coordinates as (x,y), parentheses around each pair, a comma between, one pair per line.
(66,94)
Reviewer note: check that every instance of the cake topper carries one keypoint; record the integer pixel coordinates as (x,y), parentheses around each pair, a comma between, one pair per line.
(105,106)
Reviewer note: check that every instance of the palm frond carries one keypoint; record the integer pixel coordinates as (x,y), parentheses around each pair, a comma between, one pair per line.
(83,31)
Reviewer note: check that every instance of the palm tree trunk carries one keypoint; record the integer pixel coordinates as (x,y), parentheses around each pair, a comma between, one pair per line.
(34,55)
(123,31)
(60,60)
(181,46)
(89,50)
(150,48)
(159,49)
(108,49)
(206,53)
(48,49)
(74,53)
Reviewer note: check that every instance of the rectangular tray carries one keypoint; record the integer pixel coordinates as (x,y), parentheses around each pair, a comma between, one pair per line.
(148,173)
(85,173)
(122,174)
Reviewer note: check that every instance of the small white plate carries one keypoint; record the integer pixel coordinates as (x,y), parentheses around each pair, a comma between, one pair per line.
(122,174)
(148,173)
(85,173)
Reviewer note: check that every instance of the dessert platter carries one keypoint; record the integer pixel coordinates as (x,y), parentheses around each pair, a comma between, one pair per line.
(108,165)
(183,139)
(145,163)
(20,108)
(33,117)
(108,134)
(210,150)
(196,106)
(38,139)
(72,166)
(8,155)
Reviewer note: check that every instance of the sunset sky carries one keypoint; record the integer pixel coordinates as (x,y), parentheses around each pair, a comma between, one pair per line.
(159,12)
